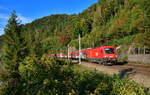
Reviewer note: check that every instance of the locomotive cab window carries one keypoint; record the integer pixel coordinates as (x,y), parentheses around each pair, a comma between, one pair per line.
(109,50)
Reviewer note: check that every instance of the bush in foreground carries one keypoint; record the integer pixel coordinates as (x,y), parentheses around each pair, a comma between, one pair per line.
(49,76)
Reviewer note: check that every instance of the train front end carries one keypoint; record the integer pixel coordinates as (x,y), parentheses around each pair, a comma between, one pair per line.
(110,55)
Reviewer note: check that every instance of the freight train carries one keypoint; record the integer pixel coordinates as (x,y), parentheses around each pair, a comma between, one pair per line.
(103,55)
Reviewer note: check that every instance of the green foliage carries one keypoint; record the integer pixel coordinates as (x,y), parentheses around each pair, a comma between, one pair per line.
(105,22)
(14,44)
(126,87)
(1,42)
(54,76)
(108,22)
(13,54)
(102,89)
(46,76)
(1,53)
(81,27)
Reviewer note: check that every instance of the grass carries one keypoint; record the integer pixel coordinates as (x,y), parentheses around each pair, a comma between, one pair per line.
(80,68)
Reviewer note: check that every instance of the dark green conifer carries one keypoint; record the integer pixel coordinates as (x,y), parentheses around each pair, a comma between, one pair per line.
(13,53)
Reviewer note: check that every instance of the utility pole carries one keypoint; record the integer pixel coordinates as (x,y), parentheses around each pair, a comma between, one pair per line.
(79,50)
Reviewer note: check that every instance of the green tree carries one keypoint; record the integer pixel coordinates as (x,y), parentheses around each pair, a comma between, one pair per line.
(13,55)
(13,41)
(81,27)
(35,46)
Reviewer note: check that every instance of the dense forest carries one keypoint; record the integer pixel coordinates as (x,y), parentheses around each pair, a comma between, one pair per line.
(25,48)
(113,22)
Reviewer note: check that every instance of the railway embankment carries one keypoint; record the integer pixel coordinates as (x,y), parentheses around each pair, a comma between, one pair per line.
(136,72)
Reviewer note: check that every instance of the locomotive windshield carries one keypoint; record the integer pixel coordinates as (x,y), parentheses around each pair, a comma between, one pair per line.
(109,50)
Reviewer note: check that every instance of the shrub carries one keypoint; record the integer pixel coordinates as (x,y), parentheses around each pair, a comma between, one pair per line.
(54,76)
(125,59)
(126,87)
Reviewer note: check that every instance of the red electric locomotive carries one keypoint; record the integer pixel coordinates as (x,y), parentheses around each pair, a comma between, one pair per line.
(103,54)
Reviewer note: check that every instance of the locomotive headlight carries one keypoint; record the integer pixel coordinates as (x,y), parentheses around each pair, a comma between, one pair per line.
(116,56)
(105,56)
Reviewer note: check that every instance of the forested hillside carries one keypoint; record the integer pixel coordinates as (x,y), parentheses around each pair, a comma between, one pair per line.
(113,22)
(28,69)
